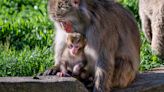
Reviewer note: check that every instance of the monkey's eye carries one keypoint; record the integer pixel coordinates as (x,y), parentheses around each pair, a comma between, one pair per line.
(70,46)
(76,46)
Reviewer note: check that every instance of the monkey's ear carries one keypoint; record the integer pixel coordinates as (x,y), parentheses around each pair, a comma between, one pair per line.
(75,3)
(85,41)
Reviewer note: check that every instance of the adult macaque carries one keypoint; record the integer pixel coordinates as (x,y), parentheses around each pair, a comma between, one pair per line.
(152,18)
(113,41)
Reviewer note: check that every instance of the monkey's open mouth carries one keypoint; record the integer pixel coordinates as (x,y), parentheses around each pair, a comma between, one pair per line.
(67,26)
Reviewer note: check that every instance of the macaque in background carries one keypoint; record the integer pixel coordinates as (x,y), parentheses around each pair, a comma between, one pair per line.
(152,18)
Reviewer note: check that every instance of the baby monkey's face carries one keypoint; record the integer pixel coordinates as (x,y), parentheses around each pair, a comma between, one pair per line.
(76,43)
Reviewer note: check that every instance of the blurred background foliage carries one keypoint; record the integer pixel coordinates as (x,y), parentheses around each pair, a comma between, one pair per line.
(25,22)
(131,5)
(26,35)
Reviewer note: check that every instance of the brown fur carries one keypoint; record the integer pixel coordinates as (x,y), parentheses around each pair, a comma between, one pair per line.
(152,18)
(113,42)
(74,64)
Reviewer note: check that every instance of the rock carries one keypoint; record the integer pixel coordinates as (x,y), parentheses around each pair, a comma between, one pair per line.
(43,84)
(152,81)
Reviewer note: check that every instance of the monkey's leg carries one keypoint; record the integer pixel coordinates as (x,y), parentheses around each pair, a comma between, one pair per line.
(146,26)
(124,73)
(60,46)
(104,73)
(77,69)
(158,35)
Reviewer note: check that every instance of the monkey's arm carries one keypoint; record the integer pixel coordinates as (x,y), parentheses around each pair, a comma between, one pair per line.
(63,67)
(59,49)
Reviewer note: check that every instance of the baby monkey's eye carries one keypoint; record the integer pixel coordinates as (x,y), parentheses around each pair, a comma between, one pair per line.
(70,46)
(76,46)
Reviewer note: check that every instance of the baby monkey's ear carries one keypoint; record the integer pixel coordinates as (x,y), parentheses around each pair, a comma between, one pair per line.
(68,37)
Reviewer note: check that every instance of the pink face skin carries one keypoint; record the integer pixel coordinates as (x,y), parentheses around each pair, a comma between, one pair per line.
(74,48)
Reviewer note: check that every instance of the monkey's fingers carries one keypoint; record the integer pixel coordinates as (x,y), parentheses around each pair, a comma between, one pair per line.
(61,74)
(49,72)
(67,75)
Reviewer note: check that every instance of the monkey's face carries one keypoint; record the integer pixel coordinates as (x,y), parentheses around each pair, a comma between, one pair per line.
(74,49)
(75,43)
(63,10)
(71,14)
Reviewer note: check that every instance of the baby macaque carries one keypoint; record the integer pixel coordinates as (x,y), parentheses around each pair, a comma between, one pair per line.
(73,60)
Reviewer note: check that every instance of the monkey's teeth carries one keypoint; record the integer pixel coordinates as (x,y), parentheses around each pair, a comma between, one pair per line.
(67,26)
(62,26)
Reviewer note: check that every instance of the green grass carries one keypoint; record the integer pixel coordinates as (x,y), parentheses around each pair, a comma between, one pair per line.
(25,62)
(25,22)
(26,36)
(148,60)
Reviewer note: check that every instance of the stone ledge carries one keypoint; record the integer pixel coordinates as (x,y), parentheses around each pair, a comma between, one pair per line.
(44,84)
(152,81)
(145,82)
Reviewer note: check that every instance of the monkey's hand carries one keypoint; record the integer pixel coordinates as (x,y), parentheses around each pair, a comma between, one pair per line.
(51,71)
(62,74)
